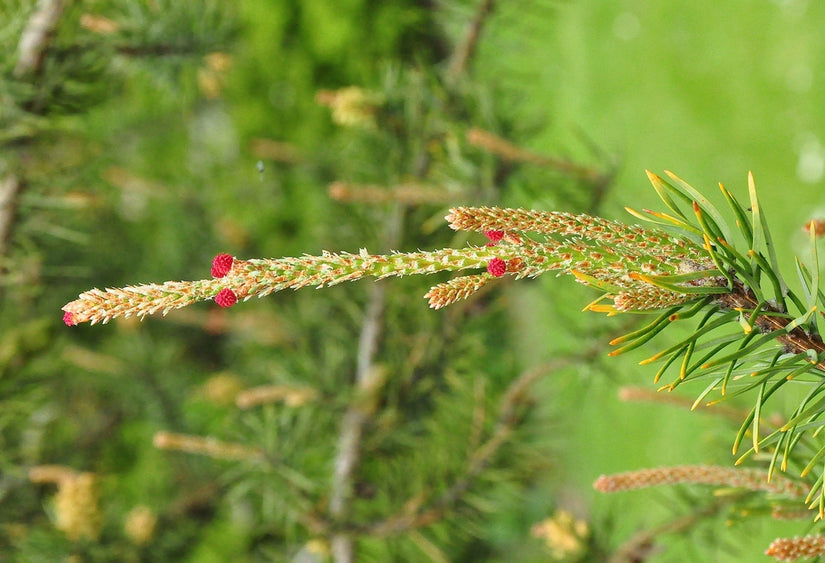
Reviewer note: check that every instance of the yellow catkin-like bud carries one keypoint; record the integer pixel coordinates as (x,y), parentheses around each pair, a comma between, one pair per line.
(204,446)
(791,549)
(140,524)
(77,507)
(351,106)
(646,298)
(751,479)
(564,535)
(76,504)
(290,395)
(212,76)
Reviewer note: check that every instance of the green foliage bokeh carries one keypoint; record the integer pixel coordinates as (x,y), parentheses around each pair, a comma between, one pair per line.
(132,173)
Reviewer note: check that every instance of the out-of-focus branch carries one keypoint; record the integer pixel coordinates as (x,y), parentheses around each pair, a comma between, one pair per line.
(9,189)
(35,38)
(33,43)
(465,50)
(641,546)
(416,513)
(368,382)
(598,180)
(407,194)
(352,427)
(506,150)
(642,394)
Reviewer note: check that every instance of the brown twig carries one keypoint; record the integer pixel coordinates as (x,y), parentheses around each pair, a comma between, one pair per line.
(510,152)
(796,341)
(407,194)
(465,50)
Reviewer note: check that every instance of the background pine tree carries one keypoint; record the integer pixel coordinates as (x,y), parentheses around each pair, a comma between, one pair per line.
(140,138)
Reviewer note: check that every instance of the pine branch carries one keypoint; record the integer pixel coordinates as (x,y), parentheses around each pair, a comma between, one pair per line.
(597,252)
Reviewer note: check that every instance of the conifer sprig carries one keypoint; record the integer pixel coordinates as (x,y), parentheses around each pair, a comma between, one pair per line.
(755,337)
(597,252)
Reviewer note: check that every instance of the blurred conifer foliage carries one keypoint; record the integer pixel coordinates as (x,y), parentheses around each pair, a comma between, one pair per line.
(141,137)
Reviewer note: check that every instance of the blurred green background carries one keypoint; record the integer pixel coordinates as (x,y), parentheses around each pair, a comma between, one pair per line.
(154,134)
